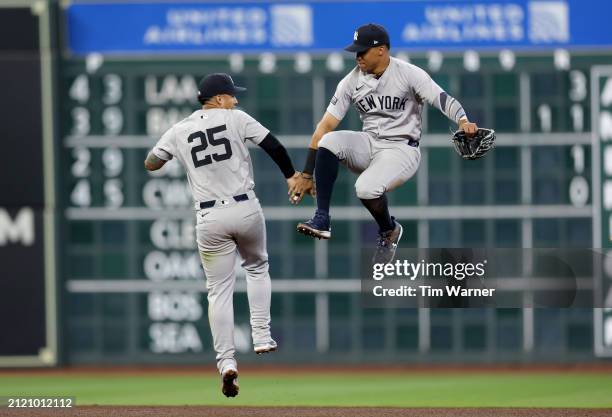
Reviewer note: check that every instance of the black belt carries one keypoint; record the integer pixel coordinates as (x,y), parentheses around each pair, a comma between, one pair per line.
(413,143)
(211,203)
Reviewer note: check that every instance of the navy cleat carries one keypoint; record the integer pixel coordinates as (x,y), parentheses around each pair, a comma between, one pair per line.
(318,226)
(229,383)
(386,244)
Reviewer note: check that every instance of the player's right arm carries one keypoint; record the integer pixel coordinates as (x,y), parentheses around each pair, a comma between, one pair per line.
(328,123)
(162,152)
(336,110)
(304,183)
(153,163)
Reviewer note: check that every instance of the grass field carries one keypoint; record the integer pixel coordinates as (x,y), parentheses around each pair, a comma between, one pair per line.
(455,389)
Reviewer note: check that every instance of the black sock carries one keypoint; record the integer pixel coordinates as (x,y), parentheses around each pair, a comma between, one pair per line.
(379,209)
(326,172)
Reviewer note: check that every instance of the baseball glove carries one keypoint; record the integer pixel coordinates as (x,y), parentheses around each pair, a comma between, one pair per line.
(476,146)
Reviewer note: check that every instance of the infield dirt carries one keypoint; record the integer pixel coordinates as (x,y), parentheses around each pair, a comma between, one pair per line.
(108,411)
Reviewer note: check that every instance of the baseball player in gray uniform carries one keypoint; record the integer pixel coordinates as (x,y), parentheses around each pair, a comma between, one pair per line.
(389,95)
(211,146)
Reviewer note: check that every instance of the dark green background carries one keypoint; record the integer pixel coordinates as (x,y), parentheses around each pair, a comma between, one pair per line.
(114,327)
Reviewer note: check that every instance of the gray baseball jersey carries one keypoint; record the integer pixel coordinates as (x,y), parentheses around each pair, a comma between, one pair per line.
(390,107)
(211,146)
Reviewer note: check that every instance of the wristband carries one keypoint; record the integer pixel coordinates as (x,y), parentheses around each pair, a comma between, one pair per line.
(309,166)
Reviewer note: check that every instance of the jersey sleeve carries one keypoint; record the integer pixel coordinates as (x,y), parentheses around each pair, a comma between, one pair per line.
(427,89)
(341,101)
(424,86)
(166,146)
(249,128)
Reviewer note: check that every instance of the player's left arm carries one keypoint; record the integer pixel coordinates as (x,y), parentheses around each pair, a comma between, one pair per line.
(275,150)
(426,88)
(272,146)
(153,163)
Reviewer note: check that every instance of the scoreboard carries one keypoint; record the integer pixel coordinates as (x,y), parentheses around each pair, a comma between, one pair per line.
(602,224)
(135,289)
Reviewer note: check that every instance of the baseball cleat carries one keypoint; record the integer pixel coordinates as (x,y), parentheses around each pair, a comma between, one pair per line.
(265,347)
(229,383)
(386,244)
(318,226)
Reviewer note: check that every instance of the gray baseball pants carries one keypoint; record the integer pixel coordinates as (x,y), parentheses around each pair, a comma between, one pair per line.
(223,232)
(382,165)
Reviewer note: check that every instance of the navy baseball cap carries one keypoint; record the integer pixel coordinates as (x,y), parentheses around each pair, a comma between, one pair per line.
(368,36)
(218,83)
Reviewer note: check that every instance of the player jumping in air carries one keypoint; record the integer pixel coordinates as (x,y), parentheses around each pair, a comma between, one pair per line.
(211,146)
(389,95)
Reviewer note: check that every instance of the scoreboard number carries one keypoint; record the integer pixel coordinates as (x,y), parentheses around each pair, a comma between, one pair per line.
(577,115)
(545,116)
(113,193)
(602,146)
(579,186)
(112,119)
(113,89)
(578,81)
(578,157)
(81,194)
(579,191)
(79,90)
(80,167)
(112,159)
(577,93)
(81,125)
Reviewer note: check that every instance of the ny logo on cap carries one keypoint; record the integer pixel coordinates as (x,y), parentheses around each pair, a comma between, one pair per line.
(355,36)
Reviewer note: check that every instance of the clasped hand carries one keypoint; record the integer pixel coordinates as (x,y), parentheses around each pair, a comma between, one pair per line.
(298,186)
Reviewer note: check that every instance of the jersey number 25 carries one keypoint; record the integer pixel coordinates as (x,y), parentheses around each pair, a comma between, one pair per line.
(205,139)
